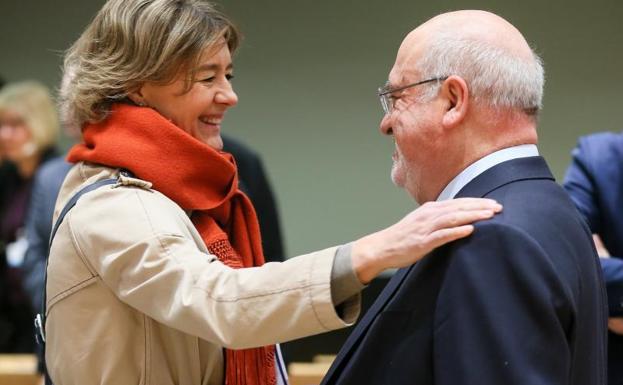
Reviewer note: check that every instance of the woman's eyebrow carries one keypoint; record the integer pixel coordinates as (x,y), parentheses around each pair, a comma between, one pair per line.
(214,67)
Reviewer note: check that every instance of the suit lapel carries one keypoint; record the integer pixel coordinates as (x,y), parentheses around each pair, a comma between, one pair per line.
(364,324)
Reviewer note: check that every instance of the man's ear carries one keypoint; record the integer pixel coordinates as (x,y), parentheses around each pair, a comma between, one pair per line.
(454,90)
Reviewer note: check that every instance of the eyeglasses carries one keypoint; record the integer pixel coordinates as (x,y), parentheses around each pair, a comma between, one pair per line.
(385,93)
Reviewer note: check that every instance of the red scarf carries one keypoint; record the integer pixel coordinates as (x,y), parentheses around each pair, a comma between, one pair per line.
(197,178)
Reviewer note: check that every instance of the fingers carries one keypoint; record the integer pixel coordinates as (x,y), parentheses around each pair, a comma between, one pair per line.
(470,204)
(431,210)
(443,236)
(451,220)
(459,218)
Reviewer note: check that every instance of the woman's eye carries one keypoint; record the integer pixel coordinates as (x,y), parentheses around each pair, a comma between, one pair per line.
(229,77)
(208,80)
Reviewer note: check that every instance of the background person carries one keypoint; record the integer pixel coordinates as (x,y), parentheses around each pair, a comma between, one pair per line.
(28,131)
(594,181)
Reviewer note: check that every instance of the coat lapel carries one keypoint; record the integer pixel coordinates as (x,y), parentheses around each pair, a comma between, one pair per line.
(363,325)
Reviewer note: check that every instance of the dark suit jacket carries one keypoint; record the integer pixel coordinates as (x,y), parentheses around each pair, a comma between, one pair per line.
(254,182)
(521,301)
(594,181)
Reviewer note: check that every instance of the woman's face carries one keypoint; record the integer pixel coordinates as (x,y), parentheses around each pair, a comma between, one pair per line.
(201,110)
(16,142)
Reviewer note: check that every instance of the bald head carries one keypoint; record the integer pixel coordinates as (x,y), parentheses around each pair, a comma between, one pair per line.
(481,26)
(486,50)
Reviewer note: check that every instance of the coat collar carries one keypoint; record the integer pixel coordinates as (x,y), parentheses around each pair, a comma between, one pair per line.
(533,167)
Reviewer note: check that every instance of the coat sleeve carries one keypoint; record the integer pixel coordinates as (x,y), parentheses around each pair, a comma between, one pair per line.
(501,310)
(137,242)
(580,186)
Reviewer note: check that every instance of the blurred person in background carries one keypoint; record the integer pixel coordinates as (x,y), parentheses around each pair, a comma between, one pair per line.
(594,181)
(28,131)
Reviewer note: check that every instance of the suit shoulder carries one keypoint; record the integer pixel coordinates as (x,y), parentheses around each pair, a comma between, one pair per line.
(603,147)
(494,246)
(601,138)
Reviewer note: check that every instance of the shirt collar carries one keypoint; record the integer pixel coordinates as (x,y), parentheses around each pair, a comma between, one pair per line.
(483,164)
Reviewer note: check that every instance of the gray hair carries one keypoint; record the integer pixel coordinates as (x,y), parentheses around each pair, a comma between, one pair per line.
(493,75)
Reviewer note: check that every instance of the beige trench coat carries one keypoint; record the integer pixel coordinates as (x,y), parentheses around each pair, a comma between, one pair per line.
(133,297)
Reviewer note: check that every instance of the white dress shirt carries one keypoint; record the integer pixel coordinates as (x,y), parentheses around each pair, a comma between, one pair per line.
(483,164)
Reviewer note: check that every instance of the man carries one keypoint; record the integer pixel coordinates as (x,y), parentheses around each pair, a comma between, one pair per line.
(594,181)
(522,300)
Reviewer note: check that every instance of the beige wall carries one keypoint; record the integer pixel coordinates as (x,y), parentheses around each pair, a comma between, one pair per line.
(306,76)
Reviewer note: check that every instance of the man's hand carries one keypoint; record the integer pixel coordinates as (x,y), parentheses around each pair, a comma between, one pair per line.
(615,324)
(431,225)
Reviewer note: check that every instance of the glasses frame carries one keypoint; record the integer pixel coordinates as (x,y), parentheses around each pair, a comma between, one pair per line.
(385,94)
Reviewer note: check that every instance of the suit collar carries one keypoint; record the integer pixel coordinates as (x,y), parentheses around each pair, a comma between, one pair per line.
(506,172)
(485,163)
(362,326)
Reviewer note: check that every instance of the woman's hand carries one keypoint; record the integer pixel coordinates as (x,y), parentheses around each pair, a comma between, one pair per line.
(429,226)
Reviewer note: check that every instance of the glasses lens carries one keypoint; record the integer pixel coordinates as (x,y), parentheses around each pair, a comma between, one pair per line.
(383,100)
(385,103)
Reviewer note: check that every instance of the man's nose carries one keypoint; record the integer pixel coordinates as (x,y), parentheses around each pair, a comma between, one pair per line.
(386,125)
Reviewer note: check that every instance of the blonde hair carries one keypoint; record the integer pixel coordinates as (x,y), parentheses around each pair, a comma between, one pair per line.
(33,102)
(131,42)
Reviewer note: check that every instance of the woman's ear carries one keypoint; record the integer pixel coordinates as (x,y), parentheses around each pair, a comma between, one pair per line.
(456,93)
(137,97)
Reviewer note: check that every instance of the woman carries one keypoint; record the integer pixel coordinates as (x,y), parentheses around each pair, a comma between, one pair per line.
(160,278)
(28,130)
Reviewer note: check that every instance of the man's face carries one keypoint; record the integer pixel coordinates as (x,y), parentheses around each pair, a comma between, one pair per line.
(414,124)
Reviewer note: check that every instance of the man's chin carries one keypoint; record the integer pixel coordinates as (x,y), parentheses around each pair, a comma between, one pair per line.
(397,177)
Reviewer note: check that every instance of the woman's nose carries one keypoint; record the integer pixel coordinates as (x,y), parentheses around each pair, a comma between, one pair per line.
(226,95)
